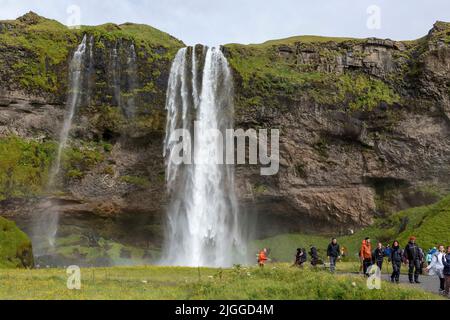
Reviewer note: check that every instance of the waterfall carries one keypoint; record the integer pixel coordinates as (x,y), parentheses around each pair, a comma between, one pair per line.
(76,78)
(46,226)
(130,108)
(115,69)
(124,79)
(91,71)
(203,227)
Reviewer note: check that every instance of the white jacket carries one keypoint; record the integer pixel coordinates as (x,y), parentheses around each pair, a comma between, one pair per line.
(436,267)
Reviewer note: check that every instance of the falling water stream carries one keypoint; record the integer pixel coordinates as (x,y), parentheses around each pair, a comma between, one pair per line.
(130,108)
(46,224)
(203,226)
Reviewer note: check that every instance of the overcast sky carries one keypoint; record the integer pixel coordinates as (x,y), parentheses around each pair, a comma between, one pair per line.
(250,21)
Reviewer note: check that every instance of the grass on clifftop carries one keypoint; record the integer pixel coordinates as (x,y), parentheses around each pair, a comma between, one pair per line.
(45,46)
(267,74)
(304,39)
(430,224)
(142,35)
(278,282)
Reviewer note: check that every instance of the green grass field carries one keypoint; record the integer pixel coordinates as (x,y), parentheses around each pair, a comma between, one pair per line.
(277,281)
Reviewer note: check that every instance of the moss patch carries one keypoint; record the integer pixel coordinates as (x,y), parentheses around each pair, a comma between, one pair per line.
(266,75)
(15,247)
(24,166)
(77,161)
(36,51)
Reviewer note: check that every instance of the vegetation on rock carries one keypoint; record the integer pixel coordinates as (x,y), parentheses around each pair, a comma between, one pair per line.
(268,72)
(24,166)
(15,247)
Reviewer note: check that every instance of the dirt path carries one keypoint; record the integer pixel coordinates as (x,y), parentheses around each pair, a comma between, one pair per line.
(427,283)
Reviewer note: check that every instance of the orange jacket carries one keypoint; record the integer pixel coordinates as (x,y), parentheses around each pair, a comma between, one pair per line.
(262,257)
(366,250)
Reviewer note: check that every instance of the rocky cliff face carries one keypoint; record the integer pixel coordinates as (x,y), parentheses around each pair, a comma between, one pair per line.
(364,131)
(364,126)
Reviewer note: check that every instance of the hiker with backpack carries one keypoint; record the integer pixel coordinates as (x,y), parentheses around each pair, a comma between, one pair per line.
(333,254)
(446,263)
(413,259)
(300,258)
(396,259)
(314,256)
(436,267)
(365,255)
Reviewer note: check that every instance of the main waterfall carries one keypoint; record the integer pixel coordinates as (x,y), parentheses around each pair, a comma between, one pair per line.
(204,227)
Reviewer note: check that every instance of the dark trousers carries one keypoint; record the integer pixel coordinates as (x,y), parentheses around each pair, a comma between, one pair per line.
(366,264)
(333,263)
(380,264)
(396,267)
(447,284)
(442,284)
(414,270)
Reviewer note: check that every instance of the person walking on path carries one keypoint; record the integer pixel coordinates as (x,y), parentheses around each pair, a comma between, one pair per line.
(333,254)
(365,254)
(378,256)
(262,258)
(396,258)
(422,260)
(446,263)
(436,267)
(412,256)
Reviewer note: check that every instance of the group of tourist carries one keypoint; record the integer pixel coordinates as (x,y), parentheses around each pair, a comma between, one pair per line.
(435,263)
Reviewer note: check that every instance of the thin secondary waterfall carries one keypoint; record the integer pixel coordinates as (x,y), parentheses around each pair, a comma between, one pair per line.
(76,74)
(91,71)
(46,226)
(203,216)
(115,69)
(130,109)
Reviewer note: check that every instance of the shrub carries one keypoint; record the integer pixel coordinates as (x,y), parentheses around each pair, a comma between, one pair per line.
(15,247)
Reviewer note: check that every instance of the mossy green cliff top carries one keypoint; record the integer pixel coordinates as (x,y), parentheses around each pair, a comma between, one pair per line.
(347,73)
(35,51)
